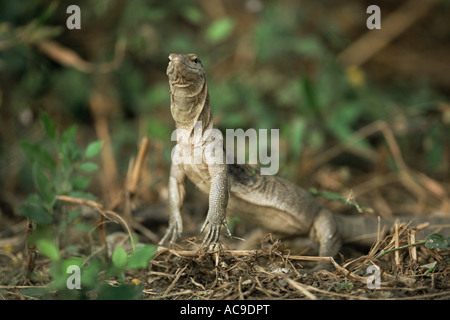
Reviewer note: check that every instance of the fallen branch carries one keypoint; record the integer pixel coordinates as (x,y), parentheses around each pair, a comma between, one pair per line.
(191,253)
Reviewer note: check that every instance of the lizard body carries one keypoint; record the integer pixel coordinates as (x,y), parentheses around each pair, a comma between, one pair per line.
(268,201)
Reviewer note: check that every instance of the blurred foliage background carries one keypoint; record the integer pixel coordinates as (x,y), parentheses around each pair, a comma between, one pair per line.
(293,65)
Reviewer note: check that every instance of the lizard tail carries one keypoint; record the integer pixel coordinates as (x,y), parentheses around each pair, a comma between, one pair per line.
(367,230)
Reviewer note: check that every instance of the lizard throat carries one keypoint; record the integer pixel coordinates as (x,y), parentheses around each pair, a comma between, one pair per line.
(188,110)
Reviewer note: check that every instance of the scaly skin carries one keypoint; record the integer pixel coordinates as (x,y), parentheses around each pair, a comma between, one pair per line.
(269,201)
(190,103)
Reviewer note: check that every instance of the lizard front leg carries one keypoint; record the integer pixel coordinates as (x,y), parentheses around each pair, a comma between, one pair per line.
(177,192)
(218,201)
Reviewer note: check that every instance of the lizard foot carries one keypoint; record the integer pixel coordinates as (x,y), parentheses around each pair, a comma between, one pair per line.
(213,232)
(173,232)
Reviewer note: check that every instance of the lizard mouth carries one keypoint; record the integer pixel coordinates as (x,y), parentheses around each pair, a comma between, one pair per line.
(177,75)
(180,85)
(181,74)
(186,75)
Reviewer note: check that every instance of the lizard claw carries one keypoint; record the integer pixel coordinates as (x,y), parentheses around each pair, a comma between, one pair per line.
(213,233)
(174,232)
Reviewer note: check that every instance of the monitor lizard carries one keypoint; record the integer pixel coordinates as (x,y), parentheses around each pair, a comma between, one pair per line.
(269,201)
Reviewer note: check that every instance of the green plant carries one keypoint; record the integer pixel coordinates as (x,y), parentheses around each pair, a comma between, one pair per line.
(60,167)
(137,259)
(433,241)
(93,275)
(337,197)
(345,286)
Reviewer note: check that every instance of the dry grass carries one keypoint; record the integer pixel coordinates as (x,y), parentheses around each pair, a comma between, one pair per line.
(270,273)
(406,271)
(273,273)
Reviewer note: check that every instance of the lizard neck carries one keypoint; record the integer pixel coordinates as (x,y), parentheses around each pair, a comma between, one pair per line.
(186,111)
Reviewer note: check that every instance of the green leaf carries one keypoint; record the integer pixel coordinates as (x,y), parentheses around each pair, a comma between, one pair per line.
(88,167)
(344,285)
(120,292)
(37,292)
(140,257)
(430,267)
(119,258)
(37,155)
(157,129)
(93,149)
(48,249)
(310,93)
(298,134)
(193,14)
(43,186)
(80,183)
(69,148)
(70,133)
(90,275)
(73,215)
(81,194)
(435,146)
(36,213)
(327,194)
(80,226)
(220,29)
(309,47)
(436,241)
(48,124)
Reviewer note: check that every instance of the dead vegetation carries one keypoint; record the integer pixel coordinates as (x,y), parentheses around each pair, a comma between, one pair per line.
(406,268)
(273,273)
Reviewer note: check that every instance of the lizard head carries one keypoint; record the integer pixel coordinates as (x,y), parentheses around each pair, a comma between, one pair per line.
(186,75)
